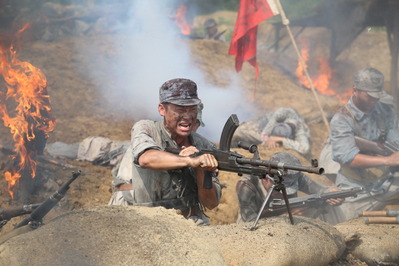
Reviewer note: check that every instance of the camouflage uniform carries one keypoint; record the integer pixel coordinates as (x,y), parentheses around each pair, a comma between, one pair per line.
(381,187)
(251,193)
(253,130)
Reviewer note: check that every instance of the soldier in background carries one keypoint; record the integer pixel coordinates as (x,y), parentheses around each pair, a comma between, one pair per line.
(281,128)
(212,31)
(366,116)
(252,191)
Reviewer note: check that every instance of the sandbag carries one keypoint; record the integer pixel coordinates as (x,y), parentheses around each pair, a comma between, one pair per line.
(113,235)
(277,242)
(375,244)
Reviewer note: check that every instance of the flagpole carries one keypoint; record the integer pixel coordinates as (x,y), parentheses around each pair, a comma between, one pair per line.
(286,23)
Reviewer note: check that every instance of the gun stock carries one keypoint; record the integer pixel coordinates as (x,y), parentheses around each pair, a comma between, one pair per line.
(38,214)
(379,148)
(11,212)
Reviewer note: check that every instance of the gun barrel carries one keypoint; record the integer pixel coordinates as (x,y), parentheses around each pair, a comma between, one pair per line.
(38,214)
(281,165)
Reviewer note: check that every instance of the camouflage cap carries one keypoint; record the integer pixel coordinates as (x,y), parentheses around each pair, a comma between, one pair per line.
(282,130)
(179,91)
(291,179)
(370,80)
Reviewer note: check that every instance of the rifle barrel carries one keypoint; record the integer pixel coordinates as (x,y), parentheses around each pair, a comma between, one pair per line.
(281,165)
(38,214)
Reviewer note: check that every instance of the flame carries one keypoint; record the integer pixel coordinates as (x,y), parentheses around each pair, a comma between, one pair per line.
(27,87)
(181,21)
(321,81)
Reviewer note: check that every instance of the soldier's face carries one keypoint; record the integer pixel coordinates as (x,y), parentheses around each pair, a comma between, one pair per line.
(363,101)
(179,120)
(212,30)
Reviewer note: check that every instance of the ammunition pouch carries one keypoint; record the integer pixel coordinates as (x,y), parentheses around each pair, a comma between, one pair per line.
(365,175)
(179,203)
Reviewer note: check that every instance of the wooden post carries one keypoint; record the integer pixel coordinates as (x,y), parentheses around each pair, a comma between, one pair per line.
(392,26)
(286,22)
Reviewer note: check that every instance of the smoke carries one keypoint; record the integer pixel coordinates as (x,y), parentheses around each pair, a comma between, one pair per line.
(147,51)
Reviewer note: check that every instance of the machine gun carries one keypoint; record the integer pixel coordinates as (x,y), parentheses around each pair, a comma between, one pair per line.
(7,214)
(234,162)
(36,217)
(313,200)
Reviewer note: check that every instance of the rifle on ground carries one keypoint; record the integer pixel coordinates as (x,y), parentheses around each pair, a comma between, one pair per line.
(7,214)
(106,159)
(313,200)
(36,217)
(234,162)
(380,148)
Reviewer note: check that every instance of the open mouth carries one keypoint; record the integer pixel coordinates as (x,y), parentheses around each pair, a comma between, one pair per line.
(184,126)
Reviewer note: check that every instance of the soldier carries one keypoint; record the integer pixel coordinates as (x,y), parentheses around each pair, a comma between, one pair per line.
(252,191)
(364,115)
(212,31)
(283,127)
(164,179)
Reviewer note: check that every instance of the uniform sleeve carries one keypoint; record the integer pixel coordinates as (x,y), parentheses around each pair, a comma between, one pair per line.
(393,132)
(343,143)
(247,201)
(143,139)
(300,143)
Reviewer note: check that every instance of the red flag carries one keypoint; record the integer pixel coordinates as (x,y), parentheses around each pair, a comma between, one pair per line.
(243,41)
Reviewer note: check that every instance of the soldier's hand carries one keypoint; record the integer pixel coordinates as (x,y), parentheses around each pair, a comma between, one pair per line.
(393,159)
(336,201)
(187,151)
(206,162)
(273,142)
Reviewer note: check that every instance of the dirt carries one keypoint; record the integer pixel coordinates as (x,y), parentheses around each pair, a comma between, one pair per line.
(75,103)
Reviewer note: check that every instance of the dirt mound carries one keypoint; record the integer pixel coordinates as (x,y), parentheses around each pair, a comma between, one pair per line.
(113,235)
(120,235)
(375,244)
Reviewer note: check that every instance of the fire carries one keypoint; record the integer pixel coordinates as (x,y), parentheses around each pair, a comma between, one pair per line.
(27,92)
(321,81)
(181,21)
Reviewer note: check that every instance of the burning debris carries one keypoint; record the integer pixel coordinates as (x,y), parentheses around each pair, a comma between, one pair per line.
(25,109)
(322,81)
(181,21)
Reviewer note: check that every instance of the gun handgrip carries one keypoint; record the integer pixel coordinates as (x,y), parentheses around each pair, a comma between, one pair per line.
(207,180)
